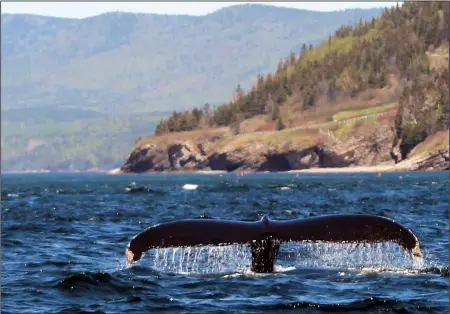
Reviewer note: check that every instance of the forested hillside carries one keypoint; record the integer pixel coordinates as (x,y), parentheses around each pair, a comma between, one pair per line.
(71,88)
(121,62)
(401,56)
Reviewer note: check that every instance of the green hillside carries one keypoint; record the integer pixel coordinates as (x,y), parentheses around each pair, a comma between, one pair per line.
(65,81)
(398,57)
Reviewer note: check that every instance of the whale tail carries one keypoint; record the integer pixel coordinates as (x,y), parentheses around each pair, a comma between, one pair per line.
(265,236)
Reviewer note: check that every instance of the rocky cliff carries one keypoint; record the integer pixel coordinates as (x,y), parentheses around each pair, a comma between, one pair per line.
(432,161)
(284,150)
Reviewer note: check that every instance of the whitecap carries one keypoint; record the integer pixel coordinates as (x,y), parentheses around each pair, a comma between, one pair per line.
(190,187)
(283,269)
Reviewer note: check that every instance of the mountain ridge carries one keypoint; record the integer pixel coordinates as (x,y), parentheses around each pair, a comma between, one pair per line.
(232,8)
(133,79)
(62,75)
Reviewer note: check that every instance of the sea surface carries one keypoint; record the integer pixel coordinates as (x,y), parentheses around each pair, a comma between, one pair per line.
(64,237)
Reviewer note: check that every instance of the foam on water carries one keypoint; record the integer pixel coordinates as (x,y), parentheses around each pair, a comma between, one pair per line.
(190,187)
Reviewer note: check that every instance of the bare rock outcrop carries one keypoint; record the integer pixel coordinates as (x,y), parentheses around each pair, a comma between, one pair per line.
(369,149)
(432,161)
(177,156)
(145,158)
(184,155)
(316,156)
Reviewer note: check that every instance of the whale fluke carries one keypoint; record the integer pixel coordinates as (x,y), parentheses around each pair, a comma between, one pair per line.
(265,236)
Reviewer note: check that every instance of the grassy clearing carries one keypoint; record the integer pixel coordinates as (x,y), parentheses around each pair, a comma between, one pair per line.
(360,127)
(343,130)
(351,108)
(184,136)
(272,140)
(433,143)
(364,112)
(257,124)
(438,58)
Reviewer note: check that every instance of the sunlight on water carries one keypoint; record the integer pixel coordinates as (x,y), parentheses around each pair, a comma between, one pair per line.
(292,255)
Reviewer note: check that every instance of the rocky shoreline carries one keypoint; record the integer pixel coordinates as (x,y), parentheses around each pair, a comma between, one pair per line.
(415,164)
(364,154)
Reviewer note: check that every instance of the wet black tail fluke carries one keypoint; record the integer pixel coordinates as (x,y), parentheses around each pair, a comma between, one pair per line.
(265,235)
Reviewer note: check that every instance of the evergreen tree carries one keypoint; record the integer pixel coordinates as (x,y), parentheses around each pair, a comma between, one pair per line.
(303,49)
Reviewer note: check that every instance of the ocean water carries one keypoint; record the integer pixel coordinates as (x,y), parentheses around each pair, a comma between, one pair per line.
(64,237)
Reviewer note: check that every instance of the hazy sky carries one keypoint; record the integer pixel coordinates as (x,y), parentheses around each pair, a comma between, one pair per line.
(85,9)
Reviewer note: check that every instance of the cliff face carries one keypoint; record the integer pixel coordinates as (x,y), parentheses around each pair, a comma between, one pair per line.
(432,161)
(208,152)
(181,155)
(316,156)
(177,152)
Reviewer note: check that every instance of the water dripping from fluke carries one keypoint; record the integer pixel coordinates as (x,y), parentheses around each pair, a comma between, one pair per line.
(235,260)
(202,260)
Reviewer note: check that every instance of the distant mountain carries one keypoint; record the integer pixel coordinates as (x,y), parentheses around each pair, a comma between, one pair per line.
(76,93)
(122,62)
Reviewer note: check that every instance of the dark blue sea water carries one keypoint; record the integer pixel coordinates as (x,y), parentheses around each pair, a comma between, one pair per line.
(64,238)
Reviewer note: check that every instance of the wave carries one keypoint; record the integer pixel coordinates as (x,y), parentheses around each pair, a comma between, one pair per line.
(283,186)
(229,187)
(84,278)
(76,310)
(74,192)
(133,278)
(102,283)
(441,271)
(371,304)
(6,242)
(143,190)
(37,226)
(435,270)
